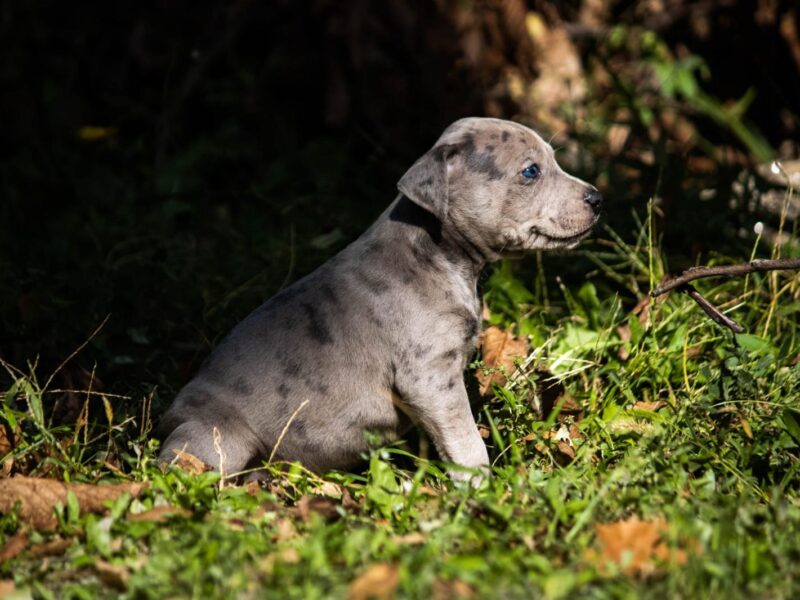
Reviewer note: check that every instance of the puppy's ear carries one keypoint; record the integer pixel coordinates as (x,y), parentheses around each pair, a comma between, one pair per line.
(425,183)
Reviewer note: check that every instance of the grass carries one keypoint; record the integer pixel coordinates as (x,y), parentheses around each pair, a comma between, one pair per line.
(665,417)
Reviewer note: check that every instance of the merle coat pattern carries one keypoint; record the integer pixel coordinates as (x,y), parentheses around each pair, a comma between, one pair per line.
(377,339)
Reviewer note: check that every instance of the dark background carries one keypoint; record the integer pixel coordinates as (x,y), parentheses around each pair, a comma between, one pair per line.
(173,163)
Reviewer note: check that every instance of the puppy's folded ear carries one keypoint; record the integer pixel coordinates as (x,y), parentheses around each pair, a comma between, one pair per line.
(425,183)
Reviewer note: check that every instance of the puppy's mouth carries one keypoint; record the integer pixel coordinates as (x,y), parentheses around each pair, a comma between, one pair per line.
(566,240)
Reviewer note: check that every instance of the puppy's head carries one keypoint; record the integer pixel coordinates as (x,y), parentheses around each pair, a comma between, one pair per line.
(497,184)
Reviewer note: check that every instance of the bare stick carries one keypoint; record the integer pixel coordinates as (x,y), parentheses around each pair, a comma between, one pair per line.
(285,429)
(712,311)
(681,283)
(759,265)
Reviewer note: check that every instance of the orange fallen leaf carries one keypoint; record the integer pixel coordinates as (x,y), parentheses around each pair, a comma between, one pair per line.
(54,547)
(649,406)
(38,498)
(327,508)
(378,582)
(634,545)
(451,590)
(189,462)
(159,514)
(114,576)
(499,348)
(14,545)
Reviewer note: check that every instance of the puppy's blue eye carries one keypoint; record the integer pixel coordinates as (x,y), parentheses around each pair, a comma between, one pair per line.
(531,172)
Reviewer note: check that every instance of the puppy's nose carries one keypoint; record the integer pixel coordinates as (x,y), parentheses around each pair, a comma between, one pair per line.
(595,200)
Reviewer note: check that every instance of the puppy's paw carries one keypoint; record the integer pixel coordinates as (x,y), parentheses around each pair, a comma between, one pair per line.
(462,476)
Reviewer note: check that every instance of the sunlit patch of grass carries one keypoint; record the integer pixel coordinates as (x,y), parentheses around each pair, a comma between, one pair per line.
(670,418)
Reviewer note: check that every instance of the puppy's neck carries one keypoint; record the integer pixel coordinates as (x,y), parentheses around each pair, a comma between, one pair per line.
(430,233)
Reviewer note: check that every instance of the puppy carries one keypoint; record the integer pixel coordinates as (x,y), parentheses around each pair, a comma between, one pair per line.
(376,340)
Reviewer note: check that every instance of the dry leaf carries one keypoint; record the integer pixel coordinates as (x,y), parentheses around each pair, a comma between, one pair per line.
(499,348)
(327,508)
(484,432)
(748,431)
(38,498)
(189,462)
(14,545)
(114,576)
(452,590)
(328,488)
(566,450)
(649,406)
(54,547)
(410,539)
(378,582)
(7,587)
(634,544)
(159,514)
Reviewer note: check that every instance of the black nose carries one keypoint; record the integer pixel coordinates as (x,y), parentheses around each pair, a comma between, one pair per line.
(595,200)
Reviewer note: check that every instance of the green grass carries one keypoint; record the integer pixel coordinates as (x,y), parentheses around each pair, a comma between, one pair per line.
(719,462)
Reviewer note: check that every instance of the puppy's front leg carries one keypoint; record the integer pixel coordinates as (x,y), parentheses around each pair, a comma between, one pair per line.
(447,419)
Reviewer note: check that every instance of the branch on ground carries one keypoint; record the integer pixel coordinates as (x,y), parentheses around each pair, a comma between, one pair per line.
(682,283)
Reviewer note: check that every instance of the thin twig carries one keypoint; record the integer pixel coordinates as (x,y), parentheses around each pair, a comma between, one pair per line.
(712,311)
(759,265)
(681,283)
(285,429)
(75,352)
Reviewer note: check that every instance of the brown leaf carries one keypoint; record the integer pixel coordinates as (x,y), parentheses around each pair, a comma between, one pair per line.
(499,348)
(484,431)
(14,545)
(566,450)
(7,587)
(189,462)
(54,547)
(635,543)
(326,507)
(452,590)
(379,582)
(411,539)
(159,514)
(114,576)
(649,406)
(38,498)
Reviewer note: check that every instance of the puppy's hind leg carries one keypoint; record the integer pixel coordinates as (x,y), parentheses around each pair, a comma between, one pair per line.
(218,447)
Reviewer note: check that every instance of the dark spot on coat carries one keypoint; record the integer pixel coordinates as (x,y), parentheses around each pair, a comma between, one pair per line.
(197,399)
(484,163)
(490,148)
(317,327)
(283,390)
(506,135)
(315,386)
(449,355)
(291,368)
(423,251)
(373,317)
(374,246)
(329,294)
(242,387)
(421,350)
(371,282)
(298,427)
(471,330)
(449,384)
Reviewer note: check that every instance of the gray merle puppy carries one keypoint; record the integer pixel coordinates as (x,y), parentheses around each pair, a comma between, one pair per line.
(376,340)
